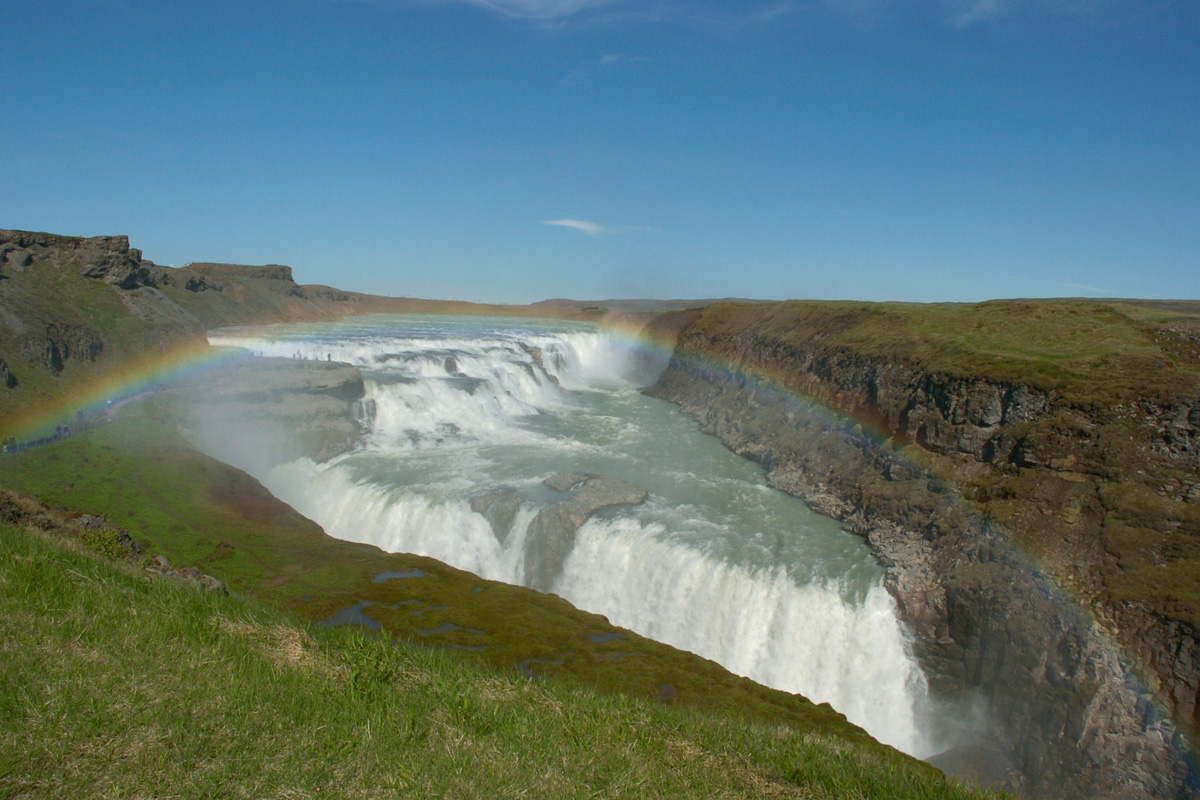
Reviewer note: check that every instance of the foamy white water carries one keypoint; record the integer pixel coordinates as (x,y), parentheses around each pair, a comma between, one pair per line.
(715,562)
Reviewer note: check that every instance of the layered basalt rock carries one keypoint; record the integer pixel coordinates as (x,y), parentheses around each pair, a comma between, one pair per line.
(994,608)
(107,258)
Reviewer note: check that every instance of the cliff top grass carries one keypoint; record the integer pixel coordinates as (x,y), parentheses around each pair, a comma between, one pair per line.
(116,684)
(1089,353)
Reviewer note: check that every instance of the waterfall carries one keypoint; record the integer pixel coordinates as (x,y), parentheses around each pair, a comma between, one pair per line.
(715,563)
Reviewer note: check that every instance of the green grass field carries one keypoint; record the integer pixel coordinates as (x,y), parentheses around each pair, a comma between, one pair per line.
(117,684)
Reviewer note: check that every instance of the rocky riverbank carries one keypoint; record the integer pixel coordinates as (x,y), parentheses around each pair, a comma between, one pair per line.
(996,507)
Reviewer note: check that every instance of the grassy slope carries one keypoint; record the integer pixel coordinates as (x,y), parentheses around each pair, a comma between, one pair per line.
(1090,353)
(113,684)
(200,512)
(44,294)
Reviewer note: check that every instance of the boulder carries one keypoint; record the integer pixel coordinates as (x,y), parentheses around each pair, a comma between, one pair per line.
(564,481)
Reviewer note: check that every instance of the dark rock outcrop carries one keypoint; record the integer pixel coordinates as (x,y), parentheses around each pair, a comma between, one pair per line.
(539,358)
(112,260)
(106,258)
(1066,705)
(95,533)
(59,343)
(552,532)
(217,272)
(161,565)
(199,283)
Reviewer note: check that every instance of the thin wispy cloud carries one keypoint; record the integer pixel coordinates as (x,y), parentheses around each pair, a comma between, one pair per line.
(596,230)
(562,14)
(583,226)
(967,13)
(1079,287)
(723,17)
(773,10)
(600,67)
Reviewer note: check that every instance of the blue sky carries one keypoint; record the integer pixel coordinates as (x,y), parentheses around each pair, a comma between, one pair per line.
(515,150)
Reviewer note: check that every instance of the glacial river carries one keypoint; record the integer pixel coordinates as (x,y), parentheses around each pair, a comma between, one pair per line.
(715,562)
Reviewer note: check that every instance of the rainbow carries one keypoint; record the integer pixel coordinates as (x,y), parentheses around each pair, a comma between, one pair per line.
(113,384)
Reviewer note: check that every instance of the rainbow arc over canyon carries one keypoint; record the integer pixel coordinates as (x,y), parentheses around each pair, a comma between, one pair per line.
(168,366)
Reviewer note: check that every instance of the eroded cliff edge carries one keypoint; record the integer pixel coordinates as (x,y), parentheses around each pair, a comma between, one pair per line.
(1027,474)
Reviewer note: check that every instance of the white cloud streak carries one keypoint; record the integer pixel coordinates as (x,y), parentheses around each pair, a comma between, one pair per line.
(563,14)
(583,226)
(964,14)
(869,14)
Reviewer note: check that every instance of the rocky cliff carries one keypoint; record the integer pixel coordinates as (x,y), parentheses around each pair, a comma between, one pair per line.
(1038,535)
(67,302)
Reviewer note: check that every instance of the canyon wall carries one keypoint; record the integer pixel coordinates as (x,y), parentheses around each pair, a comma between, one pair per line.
(997,508)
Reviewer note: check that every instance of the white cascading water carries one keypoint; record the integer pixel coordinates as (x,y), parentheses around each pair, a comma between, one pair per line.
(715,562)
